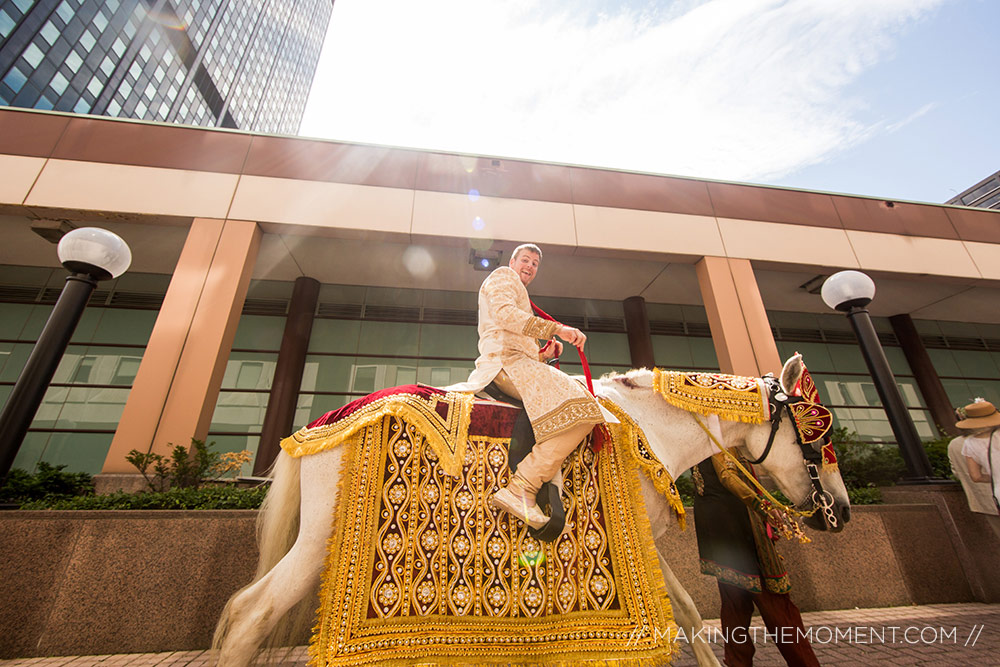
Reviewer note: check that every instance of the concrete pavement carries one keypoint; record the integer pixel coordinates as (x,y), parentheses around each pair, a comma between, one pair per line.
(940,634)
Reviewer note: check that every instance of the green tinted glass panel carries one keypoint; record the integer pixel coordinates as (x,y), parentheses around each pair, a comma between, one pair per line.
(240,411)
(445,340)
(311,406)
(85,329)
(604,348)
(79,452)
(370,374)
(944,362)
(974,364)
(958,391)
(897,361)
(36,320)
(815,355)
(389,338)
(15,359)
(259,332)
(845,358)
(672,352)
(250,370)
(31,451)
(335,336)
(988,389)
(13,317)
(52,404)
(703,354)
(118,325)
(91,408)
(323,373)
(443,373)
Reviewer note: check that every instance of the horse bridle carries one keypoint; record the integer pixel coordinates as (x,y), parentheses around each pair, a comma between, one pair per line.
(779,402)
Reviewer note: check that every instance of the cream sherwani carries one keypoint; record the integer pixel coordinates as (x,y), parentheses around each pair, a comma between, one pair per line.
(508,331)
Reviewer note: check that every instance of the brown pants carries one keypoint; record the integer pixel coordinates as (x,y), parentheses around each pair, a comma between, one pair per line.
(781,618)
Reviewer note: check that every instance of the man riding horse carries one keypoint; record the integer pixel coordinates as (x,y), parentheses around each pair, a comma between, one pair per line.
(560,409)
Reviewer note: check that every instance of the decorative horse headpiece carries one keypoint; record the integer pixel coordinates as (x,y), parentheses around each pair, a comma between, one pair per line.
(811,419)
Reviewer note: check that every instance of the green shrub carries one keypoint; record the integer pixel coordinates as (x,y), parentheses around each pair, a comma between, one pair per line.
(186,468)
(937,454)
(870,495)
(225,497)
(685,488)
(48,481)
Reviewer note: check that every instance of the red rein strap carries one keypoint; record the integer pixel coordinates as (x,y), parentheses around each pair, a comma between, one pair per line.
(601,435)
(583,358)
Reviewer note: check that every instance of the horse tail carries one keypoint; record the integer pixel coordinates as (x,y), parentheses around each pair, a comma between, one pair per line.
(278,519)
(277,530)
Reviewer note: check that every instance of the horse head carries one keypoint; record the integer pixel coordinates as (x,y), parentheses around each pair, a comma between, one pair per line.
(796,450)
(793,448)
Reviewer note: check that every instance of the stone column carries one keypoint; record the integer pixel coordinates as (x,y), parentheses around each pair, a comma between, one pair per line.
(741,332)
(280,414)
(640,341)
(942,411)
(177,385)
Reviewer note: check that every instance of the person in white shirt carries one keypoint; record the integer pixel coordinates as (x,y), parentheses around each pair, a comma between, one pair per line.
(981,448)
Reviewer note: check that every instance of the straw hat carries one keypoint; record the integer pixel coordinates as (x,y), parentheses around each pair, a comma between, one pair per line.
(978,414)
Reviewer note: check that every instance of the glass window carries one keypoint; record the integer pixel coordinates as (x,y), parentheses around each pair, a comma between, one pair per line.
(80,452)
(33,55)
(74,61)
(49,32)
(15,79)
(65,12)
(24,5)
(59,83)
(6,24)
(88,40)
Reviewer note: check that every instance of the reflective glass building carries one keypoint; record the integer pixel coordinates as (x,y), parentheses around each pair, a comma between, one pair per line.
(244,64)
(984,194)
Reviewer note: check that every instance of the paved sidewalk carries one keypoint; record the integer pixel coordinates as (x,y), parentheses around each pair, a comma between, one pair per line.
(940,634)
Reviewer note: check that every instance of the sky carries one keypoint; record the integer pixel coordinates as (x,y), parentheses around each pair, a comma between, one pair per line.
(895,99)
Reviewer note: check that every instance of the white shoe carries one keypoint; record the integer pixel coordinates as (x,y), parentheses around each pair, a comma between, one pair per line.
(509,502)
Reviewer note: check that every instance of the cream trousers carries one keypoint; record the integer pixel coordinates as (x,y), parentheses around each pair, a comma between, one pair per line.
(546,457)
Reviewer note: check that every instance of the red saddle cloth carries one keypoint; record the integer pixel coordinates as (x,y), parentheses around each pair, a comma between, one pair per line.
(489,418)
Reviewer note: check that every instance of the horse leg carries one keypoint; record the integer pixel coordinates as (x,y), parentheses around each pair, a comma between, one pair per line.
(686,615)
(685,612)
(256,610)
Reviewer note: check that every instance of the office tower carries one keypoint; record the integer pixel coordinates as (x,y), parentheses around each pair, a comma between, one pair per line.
(244,64)
(984,194)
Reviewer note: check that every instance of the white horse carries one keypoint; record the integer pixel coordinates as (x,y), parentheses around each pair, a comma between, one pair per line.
(294,522)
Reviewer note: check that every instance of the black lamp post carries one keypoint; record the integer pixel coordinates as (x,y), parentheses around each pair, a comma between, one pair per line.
(90,254)
(851,292)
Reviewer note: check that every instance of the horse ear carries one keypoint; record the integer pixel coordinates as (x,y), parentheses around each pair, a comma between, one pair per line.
(791,372)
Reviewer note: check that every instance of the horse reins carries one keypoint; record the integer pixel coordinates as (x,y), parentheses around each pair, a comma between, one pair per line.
(583,358)
(780,402)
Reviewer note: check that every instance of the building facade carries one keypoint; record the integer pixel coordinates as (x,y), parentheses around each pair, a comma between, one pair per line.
(244,64)
(235,235)
(984,194)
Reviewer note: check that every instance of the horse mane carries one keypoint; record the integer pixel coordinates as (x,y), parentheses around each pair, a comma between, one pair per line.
(633,379)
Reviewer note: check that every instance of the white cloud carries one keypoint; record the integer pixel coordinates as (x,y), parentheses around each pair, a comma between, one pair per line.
(727,89)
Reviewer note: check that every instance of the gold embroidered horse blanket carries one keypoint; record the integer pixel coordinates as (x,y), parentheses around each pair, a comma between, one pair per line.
(420,568)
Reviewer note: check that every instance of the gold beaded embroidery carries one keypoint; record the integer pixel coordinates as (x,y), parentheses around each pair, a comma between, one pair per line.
(431,573)
(732,397)
(446,435)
